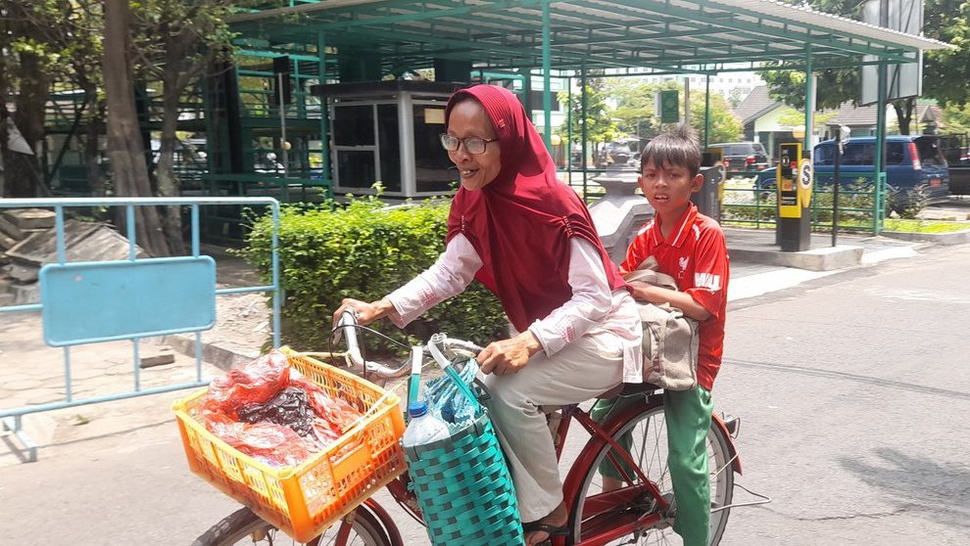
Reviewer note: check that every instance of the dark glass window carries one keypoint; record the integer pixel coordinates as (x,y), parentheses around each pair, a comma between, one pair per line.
(825,155)
(356,169)
(353,126)
(894,153)
(390,141)
(433,168)
(858,154)
(930,152)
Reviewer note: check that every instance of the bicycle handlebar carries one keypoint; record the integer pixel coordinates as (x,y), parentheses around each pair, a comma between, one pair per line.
(347,323)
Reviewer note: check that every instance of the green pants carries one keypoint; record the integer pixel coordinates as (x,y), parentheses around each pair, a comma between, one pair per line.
(688,418)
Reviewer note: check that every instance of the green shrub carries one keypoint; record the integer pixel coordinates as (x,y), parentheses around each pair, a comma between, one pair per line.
(364,250)
(856,202)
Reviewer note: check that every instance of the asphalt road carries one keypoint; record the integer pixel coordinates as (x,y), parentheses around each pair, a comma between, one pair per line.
(853,390)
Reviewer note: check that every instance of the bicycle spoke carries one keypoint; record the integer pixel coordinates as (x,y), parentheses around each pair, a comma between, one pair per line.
(597,511)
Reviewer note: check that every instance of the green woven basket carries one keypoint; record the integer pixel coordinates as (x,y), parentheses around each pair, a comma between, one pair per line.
(463,485)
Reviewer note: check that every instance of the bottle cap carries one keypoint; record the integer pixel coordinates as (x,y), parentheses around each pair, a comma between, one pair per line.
(417,409)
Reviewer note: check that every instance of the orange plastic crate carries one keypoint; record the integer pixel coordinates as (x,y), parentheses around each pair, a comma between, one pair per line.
(304,500)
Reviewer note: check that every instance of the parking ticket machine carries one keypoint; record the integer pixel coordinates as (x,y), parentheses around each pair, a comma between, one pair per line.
(794,183)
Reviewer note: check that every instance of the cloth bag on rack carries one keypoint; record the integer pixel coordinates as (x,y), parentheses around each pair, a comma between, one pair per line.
(670,339)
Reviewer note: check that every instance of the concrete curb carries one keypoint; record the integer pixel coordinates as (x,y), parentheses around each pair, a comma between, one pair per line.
(951,238)
(223,356)
(818,259)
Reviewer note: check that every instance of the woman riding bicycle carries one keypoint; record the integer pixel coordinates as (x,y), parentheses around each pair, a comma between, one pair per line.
(528,237)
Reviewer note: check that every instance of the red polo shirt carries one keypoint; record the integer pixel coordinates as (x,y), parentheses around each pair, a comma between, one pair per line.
(696,256)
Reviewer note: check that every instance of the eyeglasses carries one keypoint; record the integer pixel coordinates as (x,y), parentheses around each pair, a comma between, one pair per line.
(473,145)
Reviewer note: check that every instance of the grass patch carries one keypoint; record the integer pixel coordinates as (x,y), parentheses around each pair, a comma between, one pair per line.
(923,226)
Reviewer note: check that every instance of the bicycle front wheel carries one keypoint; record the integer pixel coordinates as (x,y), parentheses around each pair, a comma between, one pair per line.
(648,432)
(243,527)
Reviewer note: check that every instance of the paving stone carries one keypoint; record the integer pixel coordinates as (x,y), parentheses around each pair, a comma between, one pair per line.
(44,396)
(21,384)
(120,368)
(16,376)
(79,373)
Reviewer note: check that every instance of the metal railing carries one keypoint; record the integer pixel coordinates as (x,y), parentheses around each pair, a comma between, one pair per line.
(88,302)
(860,209)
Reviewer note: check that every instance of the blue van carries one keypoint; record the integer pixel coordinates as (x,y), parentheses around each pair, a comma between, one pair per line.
(916,170)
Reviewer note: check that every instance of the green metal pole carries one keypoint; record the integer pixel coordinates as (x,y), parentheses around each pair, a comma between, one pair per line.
(878,159)
(583,118)
(325,173)
(707,110)
(569,128)
(546,69)
(809,101)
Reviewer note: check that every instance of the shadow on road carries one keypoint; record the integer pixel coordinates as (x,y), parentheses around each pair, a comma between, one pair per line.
(919,484)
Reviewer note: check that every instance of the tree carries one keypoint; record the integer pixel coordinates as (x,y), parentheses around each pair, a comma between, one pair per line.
(27,76)
(169,44)
(945,72)
(635,106)
(600,127)
(67,35)
(794,118)
(634,112)
(176,43)
(125,147)
(957,120)
(725,127)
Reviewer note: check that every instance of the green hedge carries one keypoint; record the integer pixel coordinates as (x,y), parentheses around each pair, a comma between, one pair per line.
(364,250)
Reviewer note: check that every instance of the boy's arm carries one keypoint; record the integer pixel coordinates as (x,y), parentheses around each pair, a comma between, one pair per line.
(708,288)
(681,300)
(638,250)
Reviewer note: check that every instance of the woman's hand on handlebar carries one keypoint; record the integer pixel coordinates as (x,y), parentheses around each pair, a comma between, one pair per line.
(508,356)
(366,312)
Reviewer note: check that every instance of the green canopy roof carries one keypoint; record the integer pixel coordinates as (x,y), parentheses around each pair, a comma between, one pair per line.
(700,36)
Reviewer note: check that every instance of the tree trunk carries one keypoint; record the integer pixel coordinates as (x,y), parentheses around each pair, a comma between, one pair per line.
(168,184)
(93,130)
(23,172)
(904,114)
(126,151)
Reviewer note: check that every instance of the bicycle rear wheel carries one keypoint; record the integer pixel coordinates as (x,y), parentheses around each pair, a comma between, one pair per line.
(649,450)
(243,527)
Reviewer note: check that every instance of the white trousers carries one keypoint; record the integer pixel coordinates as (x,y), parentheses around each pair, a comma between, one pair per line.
(584,369)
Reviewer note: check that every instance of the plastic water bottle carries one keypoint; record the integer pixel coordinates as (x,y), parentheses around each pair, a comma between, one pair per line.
(424,427)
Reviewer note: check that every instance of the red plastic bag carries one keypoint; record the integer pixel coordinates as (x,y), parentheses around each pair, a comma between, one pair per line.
(272,444)
(254,383)
(270,412)
(336,412)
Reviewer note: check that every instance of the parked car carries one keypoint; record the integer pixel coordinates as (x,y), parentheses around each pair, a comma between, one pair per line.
(916,170)
(741,156)
(960,174)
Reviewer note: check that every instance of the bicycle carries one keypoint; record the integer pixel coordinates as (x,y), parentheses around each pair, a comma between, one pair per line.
(639,511)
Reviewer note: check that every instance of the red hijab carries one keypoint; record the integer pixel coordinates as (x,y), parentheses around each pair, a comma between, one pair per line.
(521,222)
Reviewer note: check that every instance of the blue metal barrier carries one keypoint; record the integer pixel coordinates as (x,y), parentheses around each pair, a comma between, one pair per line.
(87,302)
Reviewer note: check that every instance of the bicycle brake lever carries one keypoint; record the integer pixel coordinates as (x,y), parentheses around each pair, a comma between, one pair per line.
(347,318)
(347,321)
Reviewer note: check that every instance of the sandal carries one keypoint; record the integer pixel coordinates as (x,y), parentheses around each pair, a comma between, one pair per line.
(551,530)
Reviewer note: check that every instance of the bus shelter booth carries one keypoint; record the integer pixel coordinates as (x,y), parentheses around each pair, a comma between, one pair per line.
(387,132)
